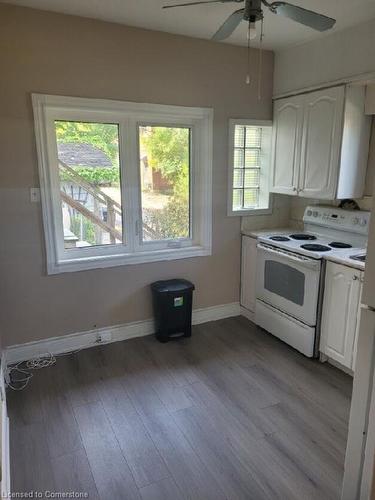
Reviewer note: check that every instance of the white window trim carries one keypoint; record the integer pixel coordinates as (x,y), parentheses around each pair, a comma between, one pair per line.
(127,114)
(252,211)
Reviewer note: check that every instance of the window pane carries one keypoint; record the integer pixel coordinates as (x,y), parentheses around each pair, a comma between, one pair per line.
(89,173)
(237,199)
(253,137)
(238,178)
(239,136)
(251,198)
(238,158)
(252,157)
(252,178)
(165,182)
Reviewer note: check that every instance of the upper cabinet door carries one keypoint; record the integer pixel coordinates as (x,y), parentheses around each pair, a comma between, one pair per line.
(286,144)
(321,143)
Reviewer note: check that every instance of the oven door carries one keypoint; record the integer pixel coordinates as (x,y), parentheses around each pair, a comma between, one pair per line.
(289,282)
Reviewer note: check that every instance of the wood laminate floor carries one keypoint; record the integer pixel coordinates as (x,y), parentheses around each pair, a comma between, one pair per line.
(231,413)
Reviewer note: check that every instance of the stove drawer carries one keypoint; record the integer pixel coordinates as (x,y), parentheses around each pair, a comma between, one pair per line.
(282,326)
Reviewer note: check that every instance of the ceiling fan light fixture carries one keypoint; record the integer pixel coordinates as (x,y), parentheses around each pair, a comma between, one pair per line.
(252,32)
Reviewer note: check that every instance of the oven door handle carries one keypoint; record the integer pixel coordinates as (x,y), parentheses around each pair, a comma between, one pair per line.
(305,261)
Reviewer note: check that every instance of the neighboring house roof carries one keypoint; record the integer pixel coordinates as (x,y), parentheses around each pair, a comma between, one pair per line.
(81,154)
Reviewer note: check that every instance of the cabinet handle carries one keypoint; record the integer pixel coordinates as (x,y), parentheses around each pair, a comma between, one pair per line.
(356,278)
(294,189)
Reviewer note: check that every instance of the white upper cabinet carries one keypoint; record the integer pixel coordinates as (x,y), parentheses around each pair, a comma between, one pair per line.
(286,147)
(320,145)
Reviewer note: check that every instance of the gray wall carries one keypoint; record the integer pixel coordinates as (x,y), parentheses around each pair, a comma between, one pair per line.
(333,57)
(370,175)
(64,55)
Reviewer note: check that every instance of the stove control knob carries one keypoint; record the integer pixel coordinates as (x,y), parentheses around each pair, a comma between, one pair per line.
(315,213)
(309,213)
(363,222)
(356,221)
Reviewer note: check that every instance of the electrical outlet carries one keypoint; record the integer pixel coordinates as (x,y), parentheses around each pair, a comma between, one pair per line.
(34,195)
(104,337)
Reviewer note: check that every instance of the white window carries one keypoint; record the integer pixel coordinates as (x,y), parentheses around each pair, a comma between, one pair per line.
(122,183)
(249,167)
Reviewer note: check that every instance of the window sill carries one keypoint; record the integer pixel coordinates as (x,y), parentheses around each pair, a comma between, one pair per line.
(253,211)
(100,262)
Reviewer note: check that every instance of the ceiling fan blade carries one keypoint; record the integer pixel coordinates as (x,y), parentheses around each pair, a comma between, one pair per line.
(198,3)
(307,17)
(227,28)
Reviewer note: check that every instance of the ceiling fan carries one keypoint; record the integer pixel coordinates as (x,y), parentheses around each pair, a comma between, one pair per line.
(252,12)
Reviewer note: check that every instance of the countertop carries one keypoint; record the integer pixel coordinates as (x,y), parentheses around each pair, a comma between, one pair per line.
(255,233)
(344,258)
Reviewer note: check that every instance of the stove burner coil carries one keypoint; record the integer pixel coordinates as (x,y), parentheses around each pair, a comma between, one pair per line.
(314,247)
(301,236)
(360,258)
(339,244)
(279,238)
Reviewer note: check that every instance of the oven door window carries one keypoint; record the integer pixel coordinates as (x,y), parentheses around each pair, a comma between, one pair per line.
(285,281)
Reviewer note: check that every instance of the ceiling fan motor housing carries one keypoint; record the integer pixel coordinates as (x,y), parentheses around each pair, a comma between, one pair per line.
(253,11)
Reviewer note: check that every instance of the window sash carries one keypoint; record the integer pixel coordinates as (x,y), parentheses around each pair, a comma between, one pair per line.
(100,250)
(142,245)
(47,109)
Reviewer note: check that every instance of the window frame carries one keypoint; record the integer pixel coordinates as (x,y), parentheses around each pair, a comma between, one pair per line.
(265,176)
(128,116)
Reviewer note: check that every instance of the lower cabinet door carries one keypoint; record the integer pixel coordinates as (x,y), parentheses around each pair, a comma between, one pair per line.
(340,313)
(248,272)
(355,346)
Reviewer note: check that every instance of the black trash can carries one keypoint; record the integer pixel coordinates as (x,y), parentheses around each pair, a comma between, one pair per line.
(172,300)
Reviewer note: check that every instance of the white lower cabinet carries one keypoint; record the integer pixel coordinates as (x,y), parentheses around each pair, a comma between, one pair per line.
(248,272)
(340,317)
(4,442)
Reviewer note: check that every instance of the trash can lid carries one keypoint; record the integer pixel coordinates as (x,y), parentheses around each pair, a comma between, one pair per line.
(175,285)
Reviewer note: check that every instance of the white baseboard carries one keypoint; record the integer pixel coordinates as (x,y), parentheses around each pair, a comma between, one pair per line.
(341,367)
(83,340)
(247,313)
(4,430)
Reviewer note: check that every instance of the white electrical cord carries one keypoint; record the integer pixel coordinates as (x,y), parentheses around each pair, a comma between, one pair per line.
(43,361)
(19,383)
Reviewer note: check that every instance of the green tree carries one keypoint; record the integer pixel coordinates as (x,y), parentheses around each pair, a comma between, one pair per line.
(168,151)
(96,176)
(88,229)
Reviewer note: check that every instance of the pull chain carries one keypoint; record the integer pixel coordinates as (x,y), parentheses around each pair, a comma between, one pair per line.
(248,80)
(260,61)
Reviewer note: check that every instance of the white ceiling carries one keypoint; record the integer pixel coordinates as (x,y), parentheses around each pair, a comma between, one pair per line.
(202,21)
